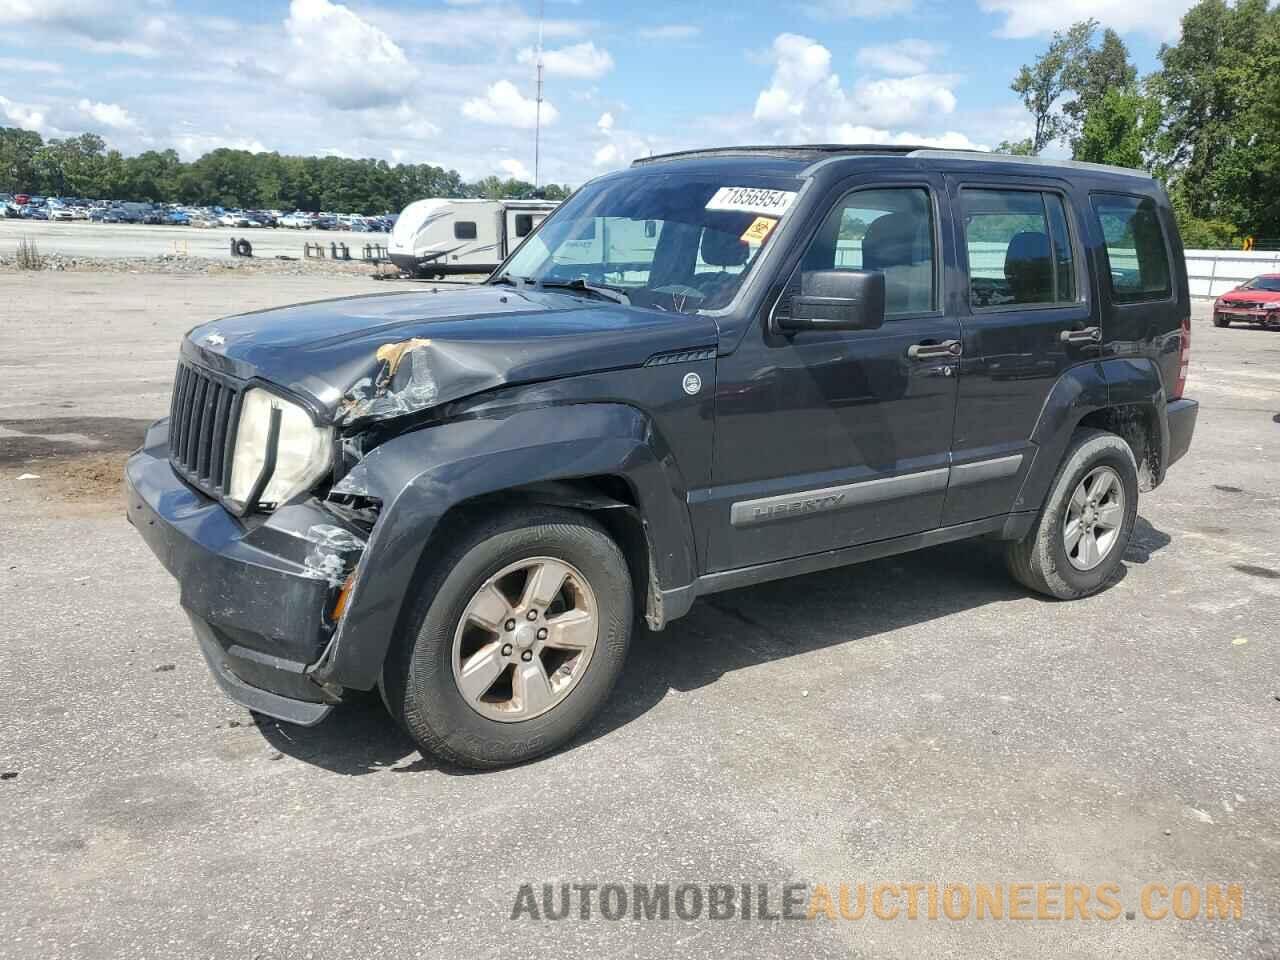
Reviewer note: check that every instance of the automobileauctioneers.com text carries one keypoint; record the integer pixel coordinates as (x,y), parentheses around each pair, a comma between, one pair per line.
(1042,901)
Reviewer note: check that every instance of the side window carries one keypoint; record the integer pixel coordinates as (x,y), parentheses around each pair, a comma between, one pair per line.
(464,230)
(888,230)
(524,224)
(1019,248)
(1136,253)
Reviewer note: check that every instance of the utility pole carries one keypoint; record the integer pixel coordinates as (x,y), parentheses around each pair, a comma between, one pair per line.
(537,128)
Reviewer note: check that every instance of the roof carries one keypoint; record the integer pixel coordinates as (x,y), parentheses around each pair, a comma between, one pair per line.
(815,153)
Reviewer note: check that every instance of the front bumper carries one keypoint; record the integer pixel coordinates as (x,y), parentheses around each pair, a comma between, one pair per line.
(256,591)
(1228,312)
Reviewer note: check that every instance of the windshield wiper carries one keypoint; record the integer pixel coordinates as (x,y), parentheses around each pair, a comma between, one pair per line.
(603,290)
(509,279)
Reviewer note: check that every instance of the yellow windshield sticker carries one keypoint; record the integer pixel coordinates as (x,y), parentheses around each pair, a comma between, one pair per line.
(759,231)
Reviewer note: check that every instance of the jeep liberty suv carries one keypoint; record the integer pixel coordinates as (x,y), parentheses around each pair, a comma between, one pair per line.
(706,371)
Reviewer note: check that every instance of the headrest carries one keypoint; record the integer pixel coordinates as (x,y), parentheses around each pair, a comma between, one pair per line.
(1025,249)
(723,249)
(894,240)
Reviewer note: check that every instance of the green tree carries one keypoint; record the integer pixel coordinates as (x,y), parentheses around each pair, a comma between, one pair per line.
(1121,128)
(1096,72)
(1043,83)
(18,149)
(1218,87)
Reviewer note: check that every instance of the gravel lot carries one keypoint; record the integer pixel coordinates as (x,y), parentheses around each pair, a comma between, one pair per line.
(84,239)
(912,720)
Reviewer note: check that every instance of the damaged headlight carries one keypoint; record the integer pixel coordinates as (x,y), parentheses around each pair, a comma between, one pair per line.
(302,456)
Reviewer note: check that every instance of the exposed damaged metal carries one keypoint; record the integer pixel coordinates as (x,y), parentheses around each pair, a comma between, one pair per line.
(333,554)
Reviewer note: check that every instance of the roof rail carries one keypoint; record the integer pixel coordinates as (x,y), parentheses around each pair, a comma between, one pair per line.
(799,151)
(985,157)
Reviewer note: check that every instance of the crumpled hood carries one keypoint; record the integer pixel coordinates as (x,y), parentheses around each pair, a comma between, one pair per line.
(366,358)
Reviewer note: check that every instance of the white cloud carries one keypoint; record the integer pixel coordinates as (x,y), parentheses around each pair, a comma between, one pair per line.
(605,123)
(607,156)
(503,104)
(107,115)
(904,57)
(950,140)
(103,26)
(515,169)
(22,115)
(862,9)
(905,98)
(805,101)
(195,145)
(22,65)
(343,58)
(582,60)
(670,31)
(1030,18)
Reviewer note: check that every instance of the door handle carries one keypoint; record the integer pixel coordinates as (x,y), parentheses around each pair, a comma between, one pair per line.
(1087,335)
(930,350)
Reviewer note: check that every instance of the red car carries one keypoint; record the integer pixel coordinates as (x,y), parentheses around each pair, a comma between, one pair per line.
(1257,301)
(21,199)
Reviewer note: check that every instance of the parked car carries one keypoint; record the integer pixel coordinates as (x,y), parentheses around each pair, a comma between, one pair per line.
(467,497)
(33,212)
(235,219)
(1256,301)
(60,213)
(296,221)
(21,199)
(177,218)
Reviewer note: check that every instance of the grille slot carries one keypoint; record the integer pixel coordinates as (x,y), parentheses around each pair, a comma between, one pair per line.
(202,418)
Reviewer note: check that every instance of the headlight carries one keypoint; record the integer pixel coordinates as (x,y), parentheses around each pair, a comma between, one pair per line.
(303,450)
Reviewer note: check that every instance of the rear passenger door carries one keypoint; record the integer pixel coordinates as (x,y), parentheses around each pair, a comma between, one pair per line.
(1027,313)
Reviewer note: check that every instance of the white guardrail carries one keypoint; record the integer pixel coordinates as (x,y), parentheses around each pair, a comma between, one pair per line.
(1212,273)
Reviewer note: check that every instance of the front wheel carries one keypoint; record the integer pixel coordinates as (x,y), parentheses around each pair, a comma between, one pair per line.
(1083,530)
(1221,322)
(517,638)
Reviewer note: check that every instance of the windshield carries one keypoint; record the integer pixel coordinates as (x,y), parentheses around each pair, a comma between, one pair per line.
(669,241)
(1271,284)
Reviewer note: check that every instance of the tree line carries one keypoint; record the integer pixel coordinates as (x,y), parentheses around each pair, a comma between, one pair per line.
(1206,123)
(83,166)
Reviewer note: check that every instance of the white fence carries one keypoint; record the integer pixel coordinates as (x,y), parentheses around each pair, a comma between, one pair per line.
(1214,272)
(1210,273)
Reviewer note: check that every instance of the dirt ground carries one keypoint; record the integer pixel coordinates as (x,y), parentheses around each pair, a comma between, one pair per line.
(917,719)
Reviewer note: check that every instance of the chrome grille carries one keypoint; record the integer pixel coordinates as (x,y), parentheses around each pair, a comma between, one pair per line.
(202,417)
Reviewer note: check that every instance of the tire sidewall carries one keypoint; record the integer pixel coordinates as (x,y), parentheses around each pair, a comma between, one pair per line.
(1095,451)
(434,710)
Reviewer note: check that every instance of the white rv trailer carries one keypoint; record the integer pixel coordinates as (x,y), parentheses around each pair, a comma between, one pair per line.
(434,238)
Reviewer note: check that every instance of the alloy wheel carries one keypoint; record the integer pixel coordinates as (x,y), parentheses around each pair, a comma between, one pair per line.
(525,639)
(1094,518)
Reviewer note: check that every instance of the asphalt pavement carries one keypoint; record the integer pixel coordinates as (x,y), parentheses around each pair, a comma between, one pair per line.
(913,720)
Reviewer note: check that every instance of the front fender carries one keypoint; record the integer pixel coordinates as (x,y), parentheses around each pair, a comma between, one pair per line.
(420,476)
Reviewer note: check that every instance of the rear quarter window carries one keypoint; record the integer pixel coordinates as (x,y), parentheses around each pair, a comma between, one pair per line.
(1137,253)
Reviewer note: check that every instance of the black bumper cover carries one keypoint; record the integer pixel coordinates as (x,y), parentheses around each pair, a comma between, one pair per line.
(1182,424)
(253,593)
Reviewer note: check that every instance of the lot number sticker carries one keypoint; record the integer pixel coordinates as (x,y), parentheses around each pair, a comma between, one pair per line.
(773,203)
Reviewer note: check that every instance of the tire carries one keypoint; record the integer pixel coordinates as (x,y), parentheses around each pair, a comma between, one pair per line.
(422,678)
(1042,561)
(244,248)
(1221,322)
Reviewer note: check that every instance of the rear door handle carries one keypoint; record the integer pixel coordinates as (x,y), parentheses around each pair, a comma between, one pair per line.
(930,350)
(1087,335)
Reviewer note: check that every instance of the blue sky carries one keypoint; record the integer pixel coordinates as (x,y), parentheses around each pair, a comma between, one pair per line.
(451,81)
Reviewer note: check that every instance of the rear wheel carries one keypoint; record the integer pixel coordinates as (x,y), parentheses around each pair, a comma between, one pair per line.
(518,636)
(1079,539)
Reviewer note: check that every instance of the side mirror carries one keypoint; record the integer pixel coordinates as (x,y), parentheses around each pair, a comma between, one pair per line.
(837,300)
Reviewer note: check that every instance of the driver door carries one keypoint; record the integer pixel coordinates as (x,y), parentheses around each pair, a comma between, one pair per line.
(830,439)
